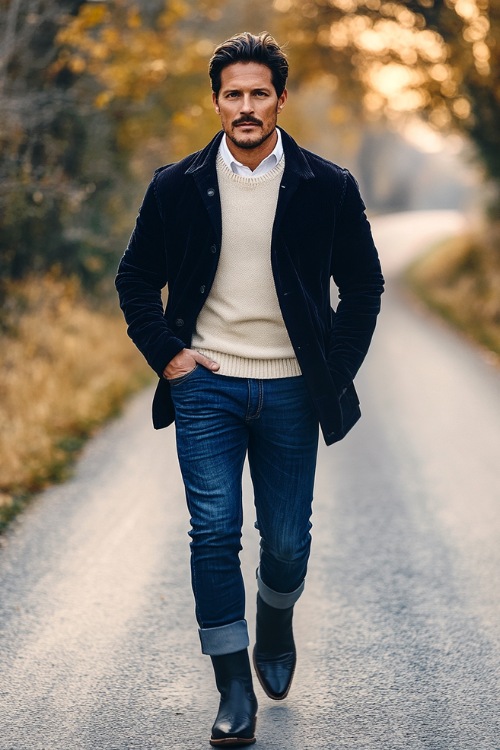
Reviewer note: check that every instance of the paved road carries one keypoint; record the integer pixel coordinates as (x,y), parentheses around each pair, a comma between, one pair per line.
(398,629)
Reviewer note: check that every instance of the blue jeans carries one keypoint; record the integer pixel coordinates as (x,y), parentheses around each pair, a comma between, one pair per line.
(219,420)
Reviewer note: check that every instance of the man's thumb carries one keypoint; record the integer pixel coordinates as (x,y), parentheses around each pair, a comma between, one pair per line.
(210,364)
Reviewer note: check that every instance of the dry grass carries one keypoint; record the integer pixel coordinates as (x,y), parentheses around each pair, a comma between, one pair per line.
(461,280)
(66,367)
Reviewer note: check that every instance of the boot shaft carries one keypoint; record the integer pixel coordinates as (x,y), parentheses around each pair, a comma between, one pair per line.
(274,629)
(229,667)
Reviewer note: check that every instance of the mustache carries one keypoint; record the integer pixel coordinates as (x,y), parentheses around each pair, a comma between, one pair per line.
(248,118)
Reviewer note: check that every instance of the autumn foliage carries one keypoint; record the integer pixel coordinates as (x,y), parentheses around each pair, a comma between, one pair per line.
(95,95)
(439,59)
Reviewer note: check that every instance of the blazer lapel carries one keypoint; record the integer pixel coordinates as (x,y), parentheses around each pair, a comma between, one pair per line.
(205,177)
(296,169)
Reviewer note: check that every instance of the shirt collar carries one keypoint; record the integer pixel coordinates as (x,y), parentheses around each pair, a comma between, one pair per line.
(265,165)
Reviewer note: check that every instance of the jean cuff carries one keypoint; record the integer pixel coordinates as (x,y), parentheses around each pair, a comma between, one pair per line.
(275,598)
(226,639)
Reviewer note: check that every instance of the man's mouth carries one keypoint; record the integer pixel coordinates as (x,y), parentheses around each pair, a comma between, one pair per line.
(246,123)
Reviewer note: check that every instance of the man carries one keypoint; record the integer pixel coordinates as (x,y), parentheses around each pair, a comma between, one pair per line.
(251,358)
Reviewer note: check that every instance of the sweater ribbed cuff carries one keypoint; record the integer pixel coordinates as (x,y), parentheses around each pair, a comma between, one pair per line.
(262,369)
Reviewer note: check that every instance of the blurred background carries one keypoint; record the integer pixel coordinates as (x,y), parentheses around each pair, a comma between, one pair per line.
(95,95)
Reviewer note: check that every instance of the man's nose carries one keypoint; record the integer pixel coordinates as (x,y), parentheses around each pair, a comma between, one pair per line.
(246,104)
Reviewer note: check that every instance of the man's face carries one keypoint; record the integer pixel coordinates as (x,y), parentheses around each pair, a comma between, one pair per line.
(248,104)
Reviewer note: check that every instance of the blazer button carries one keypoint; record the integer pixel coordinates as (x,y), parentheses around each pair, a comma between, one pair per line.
(202,289)
(213,249)
(211,192)
(179,322)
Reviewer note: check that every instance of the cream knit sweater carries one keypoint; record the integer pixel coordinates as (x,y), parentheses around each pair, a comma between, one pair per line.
(240,325)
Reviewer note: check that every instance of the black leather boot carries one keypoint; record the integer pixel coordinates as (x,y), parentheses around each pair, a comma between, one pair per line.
(274,655)
(235,722)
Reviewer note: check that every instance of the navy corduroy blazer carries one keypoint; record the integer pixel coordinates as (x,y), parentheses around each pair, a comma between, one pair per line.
(320,232)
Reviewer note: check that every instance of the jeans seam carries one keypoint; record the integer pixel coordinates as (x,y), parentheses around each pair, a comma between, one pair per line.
(260,401)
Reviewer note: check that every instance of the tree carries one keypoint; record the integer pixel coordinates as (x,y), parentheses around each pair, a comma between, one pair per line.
(437,58)
(470,94)
(86,89)
(38,137)
(148,66)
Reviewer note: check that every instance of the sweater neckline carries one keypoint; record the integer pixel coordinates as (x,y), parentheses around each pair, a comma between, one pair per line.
(227,172)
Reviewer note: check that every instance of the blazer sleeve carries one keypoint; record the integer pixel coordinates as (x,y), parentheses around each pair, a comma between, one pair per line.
(356,272)
(142,274)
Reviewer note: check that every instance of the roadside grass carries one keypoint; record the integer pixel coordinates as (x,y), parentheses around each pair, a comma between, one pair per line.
(460,279)
(67,366)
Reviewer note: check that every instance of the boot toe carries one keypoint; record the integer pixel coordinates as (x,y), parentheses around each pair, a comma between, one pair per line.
(275,672)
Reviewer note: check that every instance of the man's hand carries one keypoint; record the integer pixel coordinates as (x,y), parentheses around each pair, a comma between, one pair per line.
(185,362)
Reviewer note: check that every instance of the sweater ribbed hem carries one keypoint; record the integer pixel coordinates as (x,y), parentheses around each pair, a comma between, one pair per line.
(262,369)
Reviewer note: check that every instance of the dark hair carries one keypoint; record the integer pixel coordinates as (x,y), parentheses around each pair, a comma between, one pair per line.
(248,47)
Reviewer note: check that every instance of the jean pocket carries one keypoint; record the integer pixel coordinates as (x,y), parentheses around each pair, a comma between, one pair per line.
(182,378)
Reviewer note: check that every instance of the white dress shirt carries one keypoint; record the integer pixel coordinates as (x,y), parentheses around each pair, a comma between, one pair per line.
(265,166)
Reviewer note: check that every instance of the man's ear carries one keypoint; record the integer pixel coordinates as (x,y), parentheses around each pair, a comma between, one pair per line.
(215,102)
(282,100)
